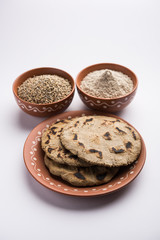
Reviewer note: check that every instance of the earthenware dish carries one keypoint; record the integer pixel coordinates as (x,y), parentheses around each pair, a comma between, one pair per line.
(106,104)
(43,110)
(33,158)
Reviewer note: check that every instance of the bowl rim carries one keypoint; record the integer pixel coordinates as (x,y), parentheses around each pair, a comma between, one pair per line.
(42,104)
(107,99)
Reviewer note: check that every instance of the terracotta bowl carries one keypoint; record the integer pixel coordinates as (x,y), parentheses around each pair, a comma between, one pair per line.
(106,104)
(43,110)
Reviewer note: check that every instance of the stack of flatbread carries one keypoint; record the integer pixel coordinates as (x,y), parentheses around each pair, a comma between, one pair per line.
(89,150)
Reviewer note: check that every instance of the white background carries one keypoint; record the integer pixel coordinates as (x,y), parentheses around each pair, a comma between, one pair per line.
(71,35)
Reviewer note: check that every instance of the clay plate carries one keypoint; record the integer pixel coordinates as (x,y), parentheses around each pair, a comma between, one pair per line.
(33,157)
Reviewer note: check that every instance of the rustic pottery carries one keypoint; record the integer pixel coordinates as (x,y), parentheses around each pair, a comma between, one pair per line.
(106,104)
(33,158)
(43,110)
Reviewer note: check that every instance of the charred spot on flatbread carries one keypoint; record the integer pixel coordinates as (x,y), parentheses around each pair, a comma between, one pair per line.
(79,175)
(120,130)
(134,135)
(107,136)
(76,124)
(60,130)
(75,137)
(48,136)
(53,132)
(120,150)
(47,142)
(81,144)
(53,128)
(88,120)
(117,120)
(128,128)
(99,153)
(50,150)
(128,145)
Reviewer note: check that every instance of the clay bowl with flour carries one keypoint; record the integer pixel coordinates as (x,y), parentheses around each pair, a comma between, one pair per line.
(106,104)
(49,109)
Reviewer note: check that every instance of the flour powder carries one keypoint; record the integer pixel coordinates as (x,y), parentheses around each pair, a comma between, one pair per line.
(106,83)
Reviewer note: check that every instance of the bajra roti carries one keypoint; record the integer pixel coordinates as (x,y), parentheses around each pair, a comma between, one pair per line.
(52,146)
(102,140)
(81,176)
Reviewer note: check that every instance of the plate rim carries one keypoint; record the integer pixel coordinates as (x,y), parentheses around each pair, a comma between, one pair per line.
(76,193)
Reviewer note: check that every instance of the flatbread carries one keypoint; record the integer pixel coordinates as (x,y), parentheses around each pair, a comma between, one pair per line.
(52,146)
(81,176)
(102,140)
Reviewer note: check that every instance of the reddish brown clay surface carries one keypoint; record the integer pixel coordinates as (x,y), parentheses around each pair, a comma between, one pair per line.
(33,157)
(106,104)
(43,110)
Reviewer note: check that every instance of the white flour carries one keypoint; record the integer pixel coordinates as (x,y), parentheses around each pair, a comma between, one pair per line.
(106,84)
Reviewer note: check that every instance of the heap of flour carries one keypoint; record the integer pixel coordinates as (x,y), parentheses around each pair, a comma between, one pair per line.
(106,84)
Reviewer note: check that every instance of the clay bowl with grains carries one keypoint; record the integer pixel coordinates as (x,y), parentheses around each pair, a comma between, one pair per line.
(106,86)
(44,91)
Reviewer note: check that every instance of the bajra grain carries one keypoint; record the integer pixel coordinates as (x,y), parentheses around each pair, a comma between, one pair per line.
(44,89)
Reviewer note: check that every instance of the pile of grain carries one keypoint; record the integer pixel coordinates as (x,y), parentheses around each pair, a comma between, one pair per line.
(44,89)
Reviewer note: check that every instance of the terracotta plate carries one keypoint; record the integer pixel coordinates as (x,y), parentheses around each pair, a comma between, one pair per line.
(33,157)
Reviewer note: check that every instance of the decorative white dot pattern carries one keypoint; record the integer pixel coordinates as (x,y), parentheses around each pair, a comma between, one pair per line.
(43,109)
(116,103)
